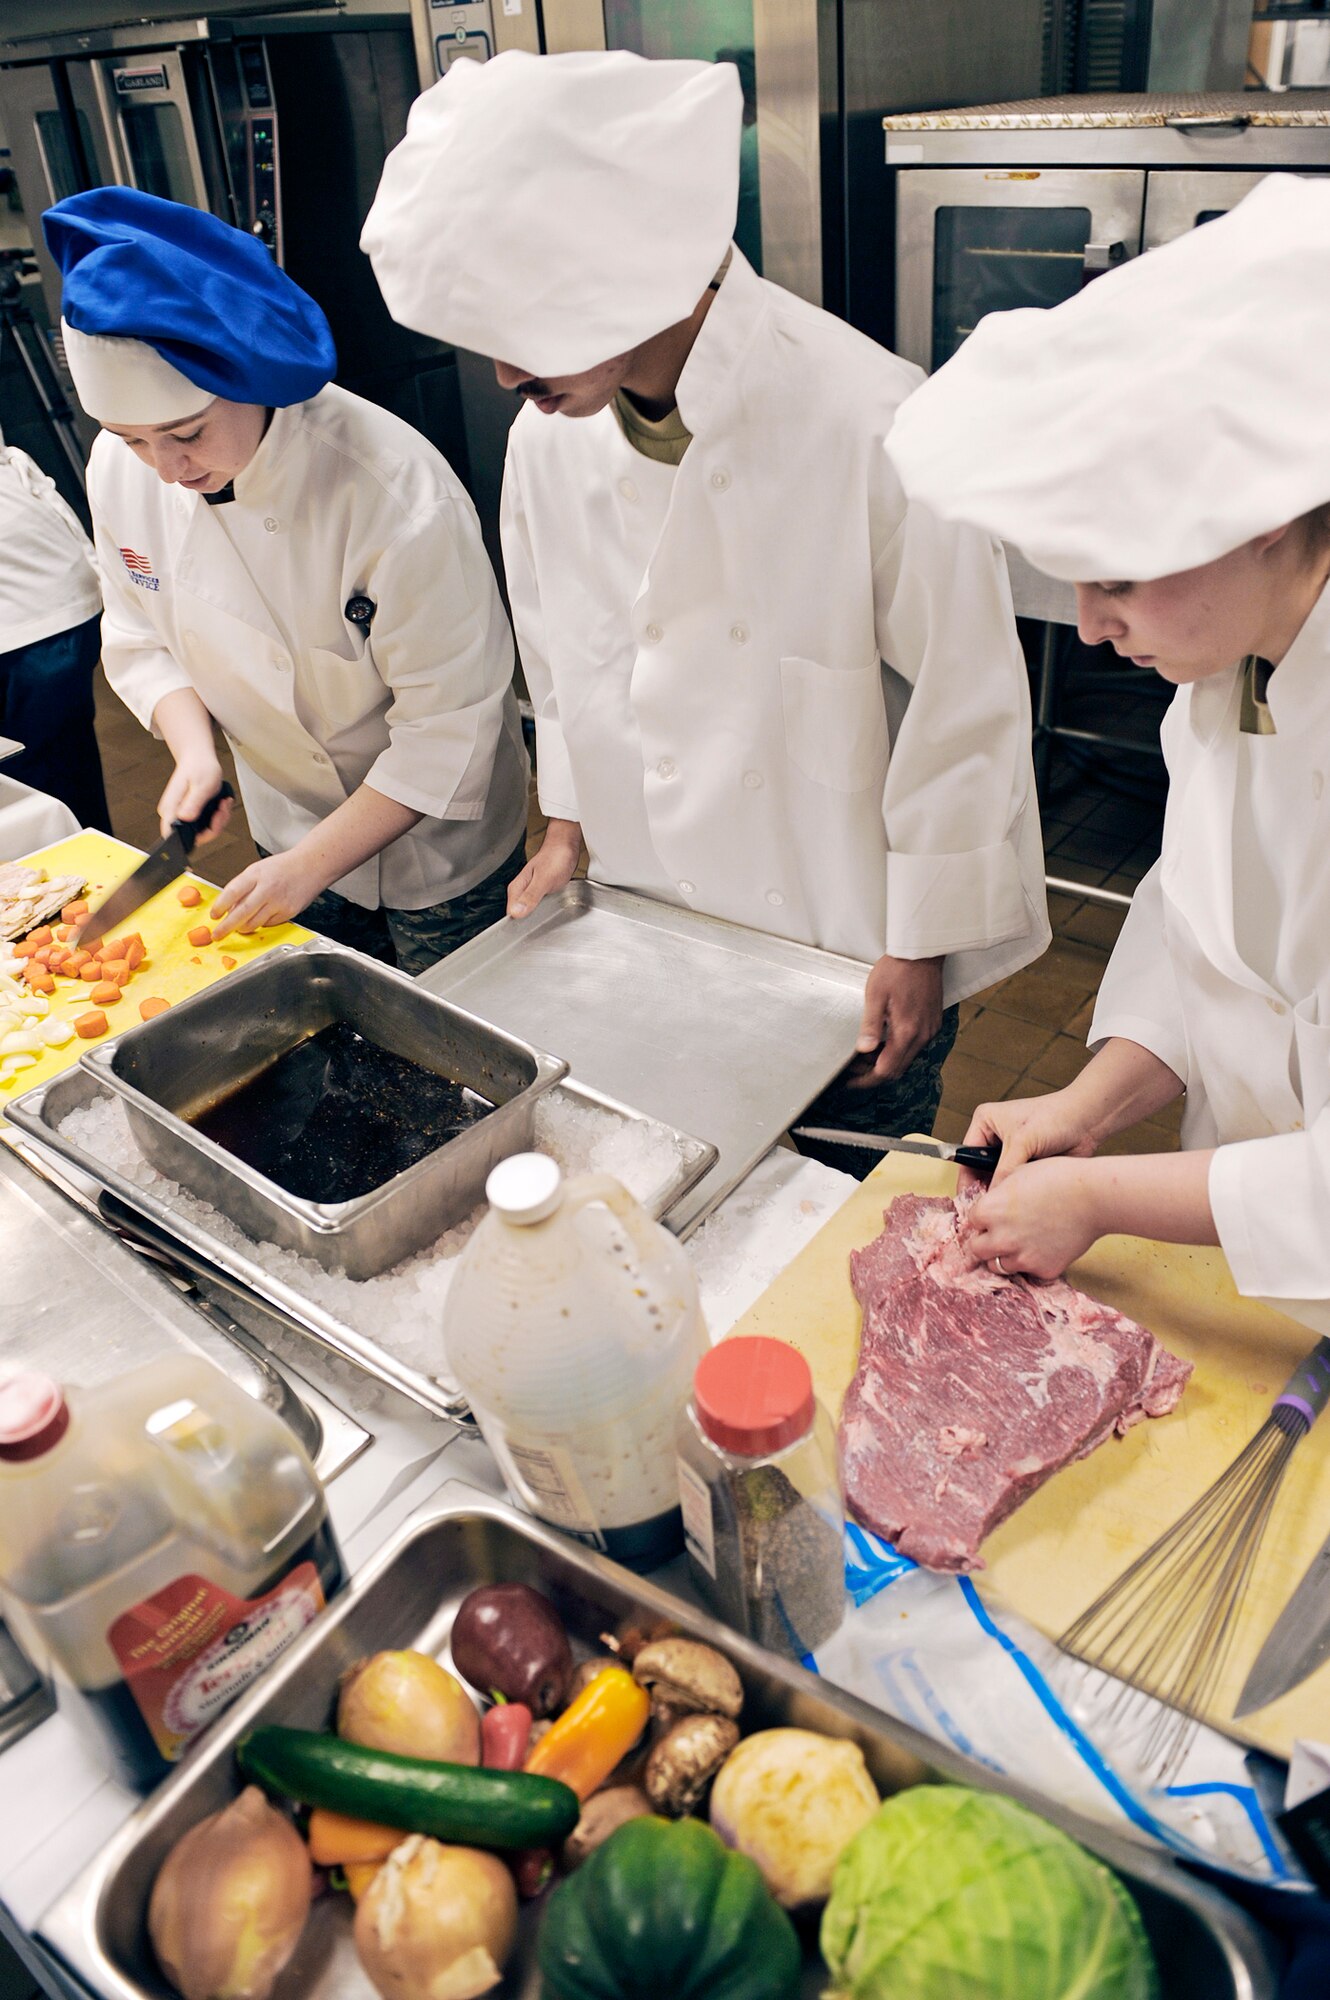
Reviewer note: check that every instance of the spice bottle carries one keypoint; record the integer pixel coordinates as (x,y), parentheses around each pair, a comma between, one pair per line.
(573,1325)
(162,1537)
(762,1509)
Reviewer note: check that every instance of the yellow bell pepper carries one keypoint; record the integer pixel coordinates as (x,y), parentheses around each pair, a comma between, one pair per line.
(593,1732)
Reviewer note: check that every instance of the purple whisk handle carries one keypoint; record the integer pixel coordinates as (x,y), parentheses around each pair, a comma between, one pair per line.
(1307,1390)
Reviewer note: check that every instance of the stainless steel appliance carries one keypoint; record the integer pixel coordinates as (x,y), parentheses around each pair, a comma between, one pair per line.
(278,123)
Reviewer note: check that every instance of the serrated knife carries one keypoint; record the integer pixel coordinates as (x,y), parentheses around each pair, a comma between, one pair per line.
(161,865)
(1298,1642)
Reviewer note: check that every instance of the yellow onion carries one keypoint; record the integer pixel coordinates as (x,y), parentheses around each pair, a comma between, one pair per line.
(408,1704)
(230,1901)
(436,1923)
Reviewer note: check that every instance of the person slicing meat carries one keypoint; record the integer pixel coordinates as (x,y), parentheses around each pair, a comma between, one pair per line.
(299,567)
(1162,441)
(765,687)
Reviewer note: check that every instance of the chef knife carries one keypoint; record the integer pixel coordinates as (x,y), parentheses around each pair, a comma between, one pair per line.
(161,865)
(979,1159)
(1298,1642)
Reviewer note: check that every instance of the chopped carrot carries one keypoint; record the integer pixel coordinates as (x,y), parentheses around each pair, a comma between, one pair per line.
(131,938)
(116,969)
(111,948)
(92,971)
(106,994)
(77,958)
(41,982)
(149,1008)
(56,955)
(189,896)
(25,948)
(200,935)
(89,1026)
(43,936)
(74,913)
(134,952)
(229,963)
(196,960)
(64,932)
(42,956)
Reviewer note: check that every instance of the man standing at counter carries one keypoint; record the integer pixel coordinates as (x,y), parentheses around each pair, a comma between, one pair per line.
(298,566)
(765,687)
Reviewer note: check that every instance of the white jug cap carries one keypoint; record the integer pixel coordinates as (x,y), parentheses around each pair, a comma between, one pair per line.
(525,1187)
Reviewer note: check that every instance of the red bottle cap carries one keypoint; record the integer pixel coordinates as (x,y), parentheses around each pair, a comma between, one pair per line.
(33,1415)
(753,1396)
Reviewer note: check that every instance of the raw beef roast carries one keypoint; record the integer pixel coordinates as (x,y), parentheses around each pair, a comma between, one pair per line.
(973,1388)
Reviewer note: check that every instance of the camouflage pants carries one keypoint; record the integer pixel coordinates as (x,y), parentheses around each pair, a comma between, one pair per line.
(908,1104)
(415,939)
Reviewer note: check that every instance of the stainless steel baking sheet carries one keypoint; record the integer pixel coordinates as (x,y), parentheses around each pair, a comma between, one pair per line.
(39,1113)
(1206,1947)
(726,1032)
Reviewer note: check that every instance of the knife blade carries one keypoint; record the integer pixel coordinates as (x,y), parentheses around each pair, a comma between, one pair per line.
(1297,1643)
(161,865)
(979,1159)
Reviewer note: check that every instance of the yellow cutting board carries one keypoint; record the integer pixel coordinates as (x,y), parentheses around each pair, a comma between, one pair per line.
(173,968)
(1078,1532)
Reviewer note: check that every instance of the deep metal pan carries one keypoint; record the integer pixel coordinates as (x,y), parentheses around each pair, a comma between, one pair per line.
(1207,1949)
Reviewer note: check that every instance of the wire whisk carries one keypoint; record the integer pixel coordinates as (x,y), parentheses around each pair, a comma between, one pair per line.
(1166,1626)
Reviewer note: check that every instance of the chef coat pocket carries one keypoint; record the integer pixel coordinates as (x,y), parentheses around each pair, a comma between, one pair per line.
(1311,1041)
(835,723)
(341,686)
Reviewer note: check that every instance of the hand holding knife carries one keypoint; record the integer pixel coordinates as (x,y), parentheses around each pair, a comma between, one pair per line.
(159,867)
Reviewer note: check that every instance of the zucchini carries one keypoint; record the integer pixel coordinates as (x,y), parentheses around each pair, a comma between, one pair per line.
(461,1803)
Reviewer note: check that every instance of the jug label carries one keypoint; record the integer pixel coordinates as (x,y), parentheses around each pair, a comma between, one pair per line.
(699,1535)
(543,1479)
(191,1648)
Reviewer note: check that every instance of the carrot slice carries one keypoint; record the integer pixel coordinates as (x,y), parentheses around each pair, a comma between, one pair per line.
(92,971)
(200,935)
(148,1009)
(89,1026)
(229,963)
(189,896)
(117,969)
(134,952)
(25,948)
(74,913)
(41,982)
(64,932)
(77,958)
(43,936)
(106,994)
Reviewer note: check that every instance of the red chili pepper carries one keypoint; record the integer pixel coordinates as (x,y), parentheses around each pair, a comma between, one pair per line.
(532,1868)
(505,1732)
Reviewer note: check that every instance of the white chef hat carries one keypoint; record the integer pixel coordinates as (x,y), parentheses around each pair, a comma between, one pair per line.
(1169,412)
(556,211)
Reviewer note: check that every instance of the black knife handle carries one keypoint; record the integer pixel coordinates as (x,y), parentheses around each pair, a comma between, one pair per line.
(979,1159)
(190,829)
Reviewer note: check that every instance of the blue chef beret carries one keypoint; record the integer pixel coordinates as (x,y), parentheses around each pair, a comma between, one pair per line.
(208,298)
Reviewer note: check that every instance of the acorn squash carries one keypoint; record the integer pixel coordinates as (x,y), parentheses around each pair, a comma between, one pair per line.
(664,1911)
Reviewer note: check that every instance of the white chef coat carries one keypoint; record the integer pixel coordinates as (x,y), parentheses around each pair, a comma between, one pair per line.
(766,687)
(341,500)
(1222,969)
(48,575)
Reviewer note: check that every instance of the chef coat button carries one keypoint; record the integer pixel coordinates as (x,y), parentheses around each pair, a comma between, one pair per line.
(753,781)
(720,479)
(628,490)
(271,524)
(666,768)
(1276,1006)
(687,889)
(655,634)
(1318,783)
(739,634)
(775,898)
(319,757)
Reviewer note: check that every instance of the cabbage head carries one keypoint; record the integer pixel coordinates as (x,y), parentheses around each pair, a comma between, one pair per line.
(949,1894)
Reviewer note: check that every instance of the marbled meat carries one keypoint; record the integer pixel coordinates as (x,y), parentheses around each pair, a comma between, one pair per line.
(972,1388)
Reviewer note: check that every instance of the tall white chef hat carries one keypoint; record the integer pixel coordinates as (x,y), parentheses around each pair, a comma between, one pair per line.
(1170,411)
(556,211)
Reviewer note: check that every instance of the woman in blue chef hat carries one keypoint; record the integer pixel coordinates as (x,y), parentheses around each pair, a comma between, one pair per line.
(295,566)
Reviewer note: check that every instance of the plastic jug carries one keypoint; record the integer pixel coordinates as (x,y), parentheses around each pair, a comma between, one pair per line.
(162,1537)
(573,1326)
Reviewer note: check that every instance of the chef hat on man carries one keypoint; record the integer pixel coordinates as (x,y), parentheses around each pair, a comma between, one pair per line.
(165,307)
(1169,412)
(556,211)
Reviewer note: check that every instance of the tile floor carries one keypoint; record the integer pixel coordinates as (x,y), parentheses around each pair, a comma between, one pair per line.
(1024,1036)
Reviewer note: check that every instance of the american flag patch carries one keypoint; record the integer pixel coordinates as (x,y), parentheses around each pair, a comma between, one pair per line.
(140,569)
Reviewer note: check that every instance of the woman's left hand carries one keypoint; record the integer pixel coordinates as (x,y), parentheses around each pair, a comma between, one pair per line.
(1038,1220)
(267,892)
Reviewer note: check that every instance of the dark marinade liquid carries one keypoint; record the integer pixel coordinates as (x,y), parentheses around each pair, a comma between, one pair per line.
(337,1116)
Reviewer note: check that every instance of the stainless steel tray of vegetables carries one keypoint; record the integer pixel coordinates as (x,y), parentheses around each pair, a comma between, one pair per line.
(948,1870)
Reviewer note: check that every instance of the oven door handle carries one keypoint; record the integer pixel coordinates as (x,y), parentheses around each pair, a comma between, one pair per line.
(1201,121)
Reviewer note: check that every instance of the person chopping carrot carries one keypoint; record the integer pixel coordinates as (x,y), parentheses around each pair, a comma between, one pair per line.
(766,688)
(300,568)
(1161,441)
